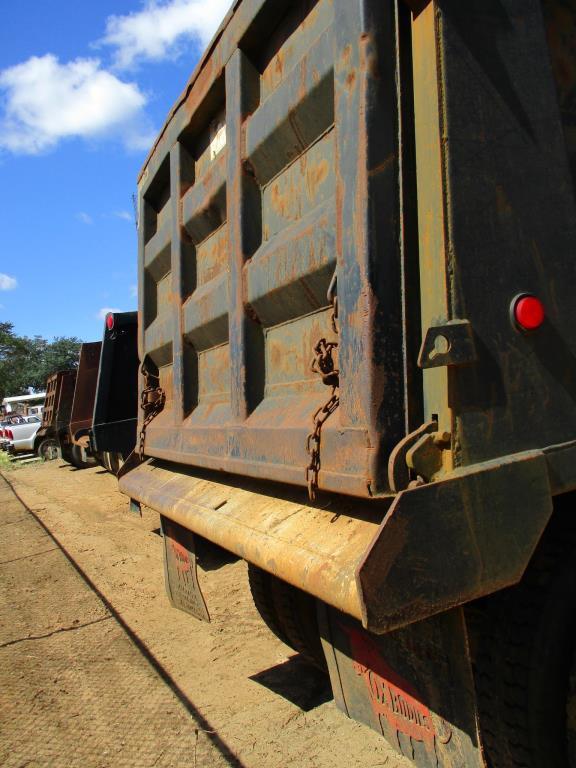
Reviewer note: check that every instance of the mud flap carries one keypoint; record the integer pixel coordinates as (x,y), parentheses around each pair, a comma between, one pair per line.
(414,685)
(180,570)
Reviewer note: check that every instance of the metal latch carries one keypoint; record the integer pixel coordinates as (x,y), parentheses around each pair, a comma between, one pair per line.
(449,344)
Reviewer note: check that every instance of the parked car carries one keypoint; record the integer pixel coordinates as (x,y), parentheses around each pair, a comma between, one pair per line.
(20,437)
(5,426)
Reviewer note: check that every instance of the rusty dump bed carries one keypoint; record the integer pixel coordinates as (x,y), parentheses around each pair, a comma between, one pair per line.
(290,158)
(422,156)
(261,183)
(59,397)
(85,390)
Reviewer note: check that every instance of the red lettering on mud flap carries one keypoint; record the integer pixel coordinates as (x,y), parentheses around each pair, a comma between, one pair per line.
(180,570)
(181,556)
(393,698)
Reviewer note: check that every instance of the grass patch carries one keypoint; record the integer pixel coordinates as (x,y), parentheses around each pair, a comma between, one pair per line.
(5,462)
(7,465)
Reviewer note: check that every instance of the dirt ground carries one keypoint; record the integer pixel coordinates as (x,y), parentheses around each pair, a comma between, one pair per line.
(97,669)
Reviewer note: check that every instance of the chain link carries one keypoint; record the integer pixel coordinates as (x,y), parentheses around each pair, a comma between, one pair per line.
(152,401)
(323,364)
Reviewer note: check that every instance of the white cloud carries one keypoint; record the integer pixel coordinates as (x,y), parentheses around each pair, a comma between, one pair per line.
(124,215)
(46,101)
(159,30)
(85,218)
(101,315)
(7,283)
(134,291)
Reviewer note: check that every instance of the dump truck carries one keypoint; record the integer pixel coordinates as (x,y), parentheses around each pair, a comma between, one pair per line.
(75,441)
(53,432)
(114,422)
(357,330)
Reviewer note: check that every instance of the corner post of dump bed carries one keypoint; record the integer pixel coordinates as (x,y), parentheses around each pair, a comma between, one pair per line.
(369,236)
(432,203)
(244,235)
(141,224)
(183,260)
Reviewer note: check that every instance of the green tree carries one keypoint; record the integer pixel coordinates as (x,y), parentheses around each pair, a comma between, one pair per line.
(60,355)
(14,353)
(27,362)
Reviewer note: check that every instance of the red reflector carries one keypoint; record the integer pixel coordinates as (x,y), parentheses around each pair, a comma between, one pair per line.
(9,434)
(110,321)
(529,313)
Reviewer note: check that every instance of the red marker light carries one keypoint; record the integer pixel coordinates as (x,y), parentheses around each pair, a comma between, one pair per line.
(528,312)
(109,321)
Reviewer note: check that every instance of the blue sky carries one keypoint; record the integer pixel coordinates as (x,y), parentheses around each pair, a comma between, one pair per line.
(84,88)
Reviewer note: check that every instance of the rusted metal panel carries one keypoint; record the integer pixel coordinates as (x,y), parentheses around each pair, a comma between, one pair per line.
(510,227)
(315,549)
(84,392)
(414,686)
(59,399)
(257,192)
(485,522)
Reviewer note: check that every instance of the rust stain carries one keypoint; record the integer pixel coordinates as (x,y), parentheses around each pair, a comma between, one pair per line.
(315,177)
(350,80)
(346,55)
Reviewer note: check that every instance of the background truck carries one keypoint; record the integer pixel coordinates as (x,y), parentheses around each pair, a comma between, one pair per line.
(75,442)
(114,422)
(56,416)
(358,334)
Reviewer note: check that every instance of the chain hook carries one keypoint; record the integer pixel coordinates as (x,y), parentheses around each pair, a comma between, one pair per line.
(323,364)
(152,401)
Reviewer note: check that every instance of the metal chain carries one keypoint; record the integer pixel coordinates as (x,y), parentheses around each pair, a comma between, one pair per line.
(323,364)
(152,401)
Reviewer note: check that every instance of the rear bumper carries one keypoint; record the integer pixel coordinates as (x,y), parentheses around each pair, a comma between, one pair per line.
(387,562)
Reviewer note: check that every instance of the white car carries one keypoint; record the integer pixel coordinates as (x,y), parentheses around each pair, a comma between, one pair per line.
(19,438)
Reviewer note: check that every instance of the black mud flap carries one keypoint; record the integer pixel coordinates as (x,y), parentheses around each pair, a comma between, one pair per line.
(413,685)
(180,570)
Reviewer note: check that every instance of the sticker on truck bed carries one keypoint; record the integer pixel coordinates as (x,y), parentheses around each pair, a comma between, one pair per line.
(180,570)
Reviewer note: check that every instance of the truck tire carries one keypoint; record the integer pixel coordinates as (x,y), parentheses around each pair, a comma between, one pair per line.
(110,462)
(289,613)
(106,460)
(523,643)
(79,458)
(48,449)
(262,594)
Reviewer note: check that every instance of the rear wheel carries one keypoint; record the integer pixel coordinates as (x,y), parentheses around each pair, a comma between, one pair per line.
(48,449)
(80,459)
(523,643)
(289,613)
